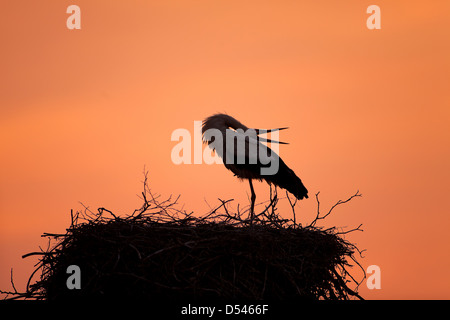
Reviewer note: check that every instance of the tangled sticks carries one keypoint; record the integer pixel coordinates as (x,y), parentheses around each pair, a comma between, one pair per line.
(163,252)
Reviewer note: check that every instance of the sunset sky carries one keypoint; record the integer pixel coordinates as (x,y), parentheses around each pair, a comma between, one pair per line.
(82,112)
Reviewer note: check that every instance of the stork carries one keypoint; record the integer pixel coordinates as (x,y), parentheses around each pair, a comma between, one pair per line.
(248,158)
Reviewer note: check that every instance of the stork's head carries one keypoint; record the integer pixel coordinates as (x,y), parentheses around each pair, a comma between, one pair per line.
(223,122)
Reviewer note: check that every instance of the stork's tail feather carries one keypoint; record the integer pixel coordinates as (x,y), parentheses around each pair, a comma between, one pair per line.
(287,179)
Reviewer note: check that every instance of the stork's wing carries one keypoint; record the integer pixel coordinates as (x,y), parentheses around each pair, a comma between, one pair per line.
(246,148)
(249,158)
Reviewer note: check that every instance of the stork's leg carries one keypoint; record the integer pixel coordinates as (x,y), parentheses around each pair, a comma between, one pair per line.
(253,198)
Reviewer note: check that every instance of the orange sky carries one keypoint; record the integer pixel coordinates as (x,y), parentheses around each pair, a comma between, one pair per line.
(83,111)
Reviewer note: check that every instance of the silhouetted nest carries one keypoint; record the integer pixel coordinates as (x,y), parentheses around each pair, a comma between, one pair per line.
(160,251)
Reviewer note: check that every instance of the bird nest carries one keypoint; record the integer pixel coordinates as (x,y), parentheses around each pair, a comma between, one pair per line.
(164,252)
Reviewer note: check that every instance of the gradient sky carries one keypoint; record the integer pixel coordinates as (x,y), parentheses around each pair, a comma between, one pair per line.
(83,111)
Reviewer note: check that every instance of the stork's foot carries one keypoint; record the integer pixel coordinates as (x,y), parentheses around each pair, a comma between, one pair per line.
(252,205)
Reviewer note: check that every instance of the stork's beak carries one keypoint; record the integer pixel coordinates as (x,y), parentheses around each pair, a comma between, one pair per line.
(263,131)
(259,131)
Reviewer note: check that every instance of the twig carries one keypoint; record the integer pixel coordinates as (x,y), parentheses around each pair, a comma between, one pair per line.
(12,282)
(293,209)
(318,217)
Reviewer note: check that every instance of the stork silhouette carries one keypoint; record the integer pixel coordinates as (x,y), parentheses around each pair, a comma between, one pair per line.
(248,157)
